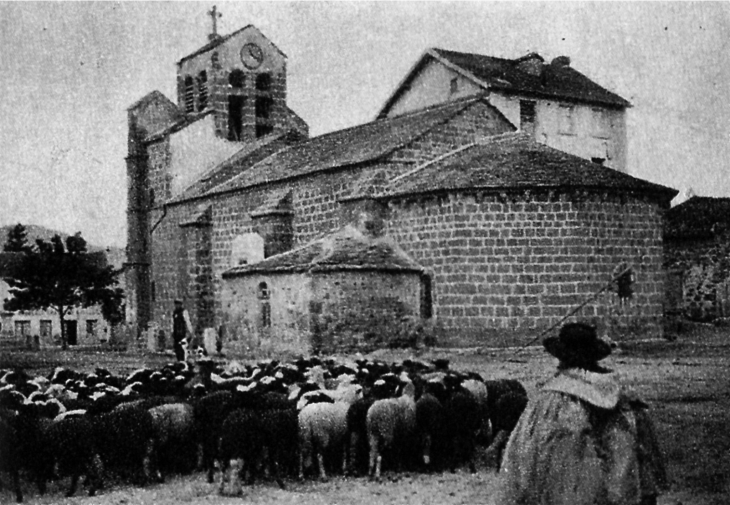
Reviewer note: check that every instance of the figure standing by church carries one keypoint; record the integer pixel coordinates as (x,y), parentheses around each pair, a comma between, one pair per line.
(181,329)
(584,440)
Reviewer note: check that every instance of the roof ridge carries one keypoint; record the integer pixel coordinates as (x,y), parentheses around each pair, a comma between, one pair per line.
(480,141)
(509,60)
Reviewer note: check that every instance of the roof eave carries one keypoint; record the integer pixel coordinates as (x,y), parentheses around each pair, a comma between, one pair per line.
(668,193)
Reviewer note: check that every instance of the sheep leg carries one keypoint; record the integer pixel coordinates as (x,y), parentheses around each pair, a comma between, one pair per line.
(72,487)
(275,468)
(94,474)
(320,463)
(223,464)
(16,486)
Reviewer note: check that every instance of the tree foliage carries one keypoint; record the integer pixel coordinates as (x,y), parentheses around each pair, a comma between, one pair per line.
(17,240)
(61,276)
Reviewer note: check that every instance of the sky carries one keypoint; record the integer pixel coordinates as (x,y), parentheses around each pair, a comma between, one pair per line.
(70,70)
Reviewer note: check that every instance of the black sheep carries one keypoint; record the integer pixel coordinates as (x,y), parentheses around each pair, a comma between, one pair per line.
(358,435)
(209,413)
(430,425)
(22,446)
(175,436)
(126,440)
(75,452)
(241,438)
(508,409)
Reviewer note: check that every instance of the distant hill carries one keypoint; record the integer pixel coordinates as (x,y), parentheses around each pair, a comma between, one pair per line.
(115,255)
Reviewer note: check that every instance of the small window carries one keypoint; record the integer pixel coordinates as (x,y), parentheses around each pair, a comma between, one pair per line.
(625,283)
(91,327)
(264,295)
(599,161)
(202,90)
(263,292)
(237,79)
(152,291)
(215,60)
(601,126)
(263,82)
(527,114)
(152,197)
(263,129)
(46,328)
(189,94)
(235,117)
(454,86)
(264,105)
(567,120)
(22,328)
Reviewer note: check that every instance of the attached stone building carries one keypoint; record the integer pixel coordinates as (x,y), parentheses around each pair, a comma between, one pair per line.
(510,234)
(697,242)
(348,290)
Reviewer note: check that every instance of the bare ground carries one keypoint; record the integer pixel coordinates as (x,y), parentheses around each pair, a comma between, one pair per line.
(687,382)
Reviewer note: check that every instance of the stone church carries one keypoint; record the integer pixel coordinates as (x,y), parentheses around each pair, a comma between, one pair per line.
(489,197)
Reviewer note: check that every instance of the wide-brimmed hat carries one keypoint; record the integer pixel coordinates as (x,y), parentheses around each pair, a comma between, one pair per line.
(577,343)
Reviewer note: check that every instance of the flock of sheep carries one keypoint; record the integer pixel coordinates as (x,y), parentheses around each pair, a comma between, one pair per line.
(309,417)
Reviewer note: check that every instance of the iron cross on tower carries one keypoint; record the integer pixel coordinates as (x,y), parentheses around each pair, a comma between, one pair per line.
(214,15)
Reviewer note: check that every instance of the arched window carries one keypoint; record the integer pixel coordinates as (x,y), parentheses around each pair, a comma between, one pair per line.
(237,78)
(189,94)
(202,90)
(264,296)
(263,82)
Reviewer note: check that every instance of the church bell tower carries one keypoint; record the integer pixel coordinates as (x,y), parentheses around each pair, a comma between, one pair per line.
(241,79)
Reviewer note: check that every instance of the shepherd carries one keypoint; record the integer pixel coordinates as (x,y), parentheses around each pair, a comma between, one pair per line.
(584,439)
(181,328)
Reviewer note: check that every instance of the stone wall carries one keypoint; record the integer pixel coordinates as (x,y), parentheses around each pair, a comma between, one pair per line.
(506,266)
(318,312)
(314,203)
(700,278)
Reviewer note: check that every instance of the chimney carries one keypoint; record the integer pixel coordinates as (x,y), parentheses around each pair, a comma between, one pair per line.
(531,63)
(560,61)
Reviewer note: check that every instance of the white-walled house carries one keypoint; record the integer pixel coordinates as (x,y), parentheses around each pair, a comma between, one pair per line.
(555,103)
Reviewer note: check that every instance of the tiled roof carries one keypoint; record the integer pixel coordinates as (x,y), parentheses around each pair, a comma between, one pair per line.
(277,202)
(358,144)
(182,123)
(700,217)
(347,249)
(555,80)
(220,40)
(515,160)
(249,155)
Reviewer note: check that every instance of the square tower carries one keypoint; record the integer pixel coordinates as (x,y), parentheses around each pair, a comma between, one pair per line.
(242,78)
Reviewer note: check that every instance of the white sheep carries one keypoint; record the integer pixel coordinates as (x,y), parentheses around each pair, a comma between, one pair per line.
(390,422)
(323,427)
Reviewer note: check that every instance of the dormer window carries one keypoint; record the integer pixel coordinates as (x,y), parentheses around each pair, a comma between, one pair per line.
(202,90)
(189,94)
(237,79)
(263,82)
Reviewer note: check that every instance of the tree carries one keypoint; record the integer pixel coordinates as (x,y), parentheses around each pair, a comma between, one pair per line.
(17,241)
(61,277)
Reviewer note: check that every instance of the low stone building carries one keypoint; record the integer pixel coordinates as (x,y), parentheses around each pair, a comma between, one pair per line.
(348,290)
(697,242)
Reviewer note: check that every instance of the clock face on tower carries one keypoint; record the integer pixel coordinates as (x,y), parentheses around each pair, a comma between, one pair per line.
(252,56)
